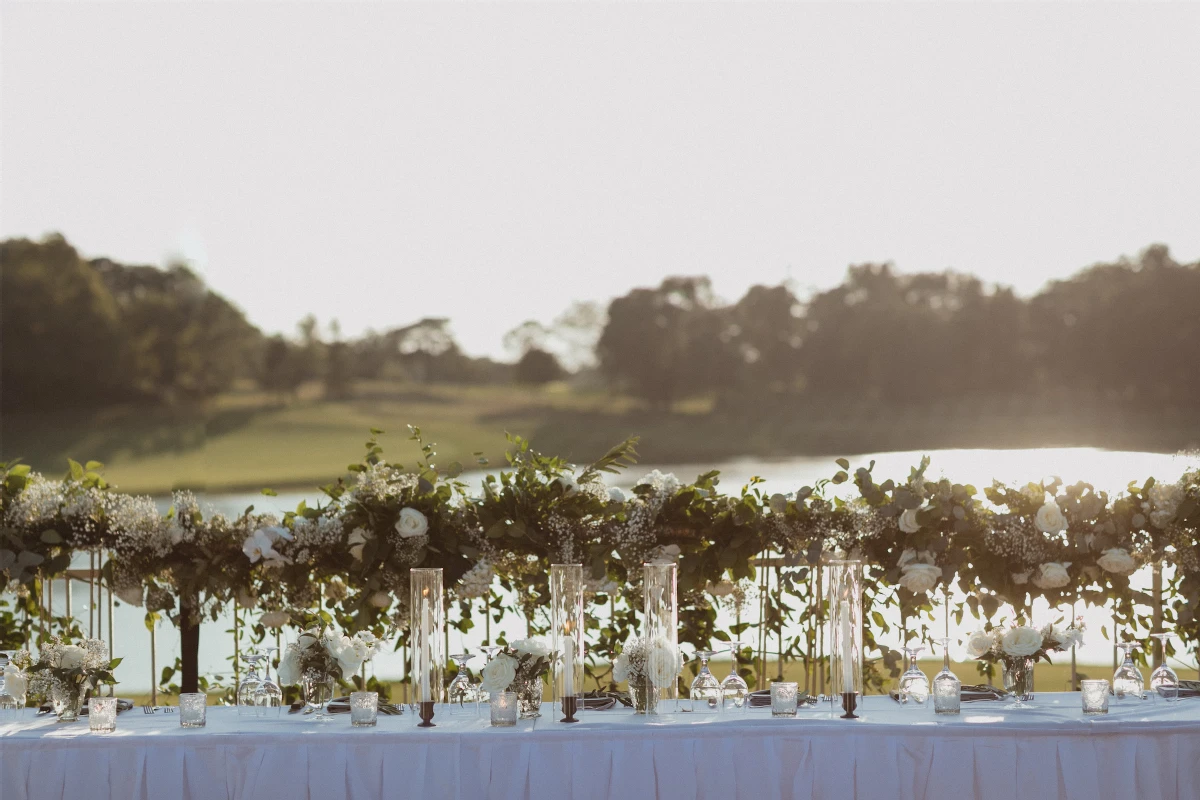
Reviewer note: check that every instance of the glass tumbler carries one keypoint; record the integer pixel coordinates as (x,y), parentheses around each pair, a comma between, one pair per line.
(192,709)
(1095,696)
(504,709)
(364,709)
(102,714)
(783,699)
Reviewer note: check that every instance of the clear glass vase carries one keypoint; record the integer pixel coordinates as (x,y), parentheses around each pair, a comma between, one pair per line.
(644,695)
(67,702)
(1018,680)
(317,688)
(529,698)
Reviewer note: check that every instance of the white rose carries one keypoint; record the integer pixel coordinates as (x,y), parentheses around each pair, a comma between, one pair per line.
(979,643)
(258,547)
(532,646)
(275,619)
(1117,561)
(1068,637)
(1021,578)
(919,578)
(71,657)
(14,682)
(289,667)
(351,656)
(499,673)
(1021,641)
(1051,575)
(663,664)
(908,521)
(620,667)
(615,495)
(1050,518)
(411,523)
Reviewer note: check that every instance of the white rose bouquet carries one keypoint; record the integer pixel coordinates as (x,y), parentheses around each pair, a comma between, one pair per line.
(325,651)
(521,663)
(65,673)
(648,665)
(1006,645)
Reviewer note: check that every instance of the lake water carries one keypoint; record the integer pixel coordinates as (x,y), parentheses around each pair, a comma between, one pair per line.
(1107,470)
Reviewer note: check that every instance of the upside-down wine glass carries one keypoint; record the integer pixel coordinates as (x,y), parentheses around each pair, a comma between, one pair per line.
(947,688)
(914,686)
(1164,677)
(269,695)
(462,695)
(1127,680)
(706,690)
(247,705)
(733,689)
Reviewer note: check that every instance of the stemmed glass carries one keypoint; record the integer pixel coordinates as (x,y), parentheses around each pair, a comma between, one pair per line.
(914,686)
(247,704)
(462,694)
(1163,676)
(269,695)
(706,690)
(1127,680)
(947,688)
(10,701)
(733,689)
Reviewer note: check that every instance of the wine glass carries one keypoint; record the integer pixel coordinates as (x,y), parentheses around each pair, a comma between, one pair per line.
(269,696)
(247,705)
(914,686)
(734,690)
(1127,680)
(706,690)
(947,688)
(462,694)
(11,703)
(1164,678)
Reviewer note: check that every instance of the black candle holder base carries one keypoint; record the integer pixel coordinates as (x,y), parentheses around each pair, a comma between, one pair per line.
(849,703)
(569,706)
(426,715)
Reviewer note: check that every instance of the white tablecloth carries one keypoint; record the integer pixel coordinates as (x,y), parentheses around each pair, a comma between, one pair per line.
(1146,751)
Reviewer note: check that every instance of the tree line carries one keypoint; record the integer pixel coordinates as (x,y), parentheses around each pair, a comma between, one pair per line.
(79,331)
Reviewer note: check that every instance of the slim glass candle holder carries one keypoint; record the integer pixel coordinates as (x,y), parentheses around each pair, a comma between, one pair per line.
(566,625)
(504,709)
(427,623)
(660,612)
(783,699)
(1095,696)
(844,579)
(364,709)
(193,708)
(102,714)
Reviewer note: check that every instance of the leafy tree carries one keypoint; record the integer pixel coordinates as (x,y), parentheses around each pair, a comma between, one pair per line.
(537,367)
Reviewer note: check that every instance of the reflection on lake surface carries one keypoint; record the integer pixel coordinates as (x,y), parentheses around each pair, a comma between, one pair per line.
(1107,470)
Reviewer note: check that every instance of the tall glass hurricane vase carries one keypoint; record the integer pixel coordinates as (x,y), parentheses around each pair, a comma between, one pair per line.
(660,612)
(566,621)
(427,624)
(845,635)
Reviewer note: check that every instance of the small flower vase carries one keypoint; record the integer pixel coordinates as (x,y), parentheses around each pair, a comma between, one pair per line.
(67,702)
(529,698)
(1018,680)
(317,688)
(644,695)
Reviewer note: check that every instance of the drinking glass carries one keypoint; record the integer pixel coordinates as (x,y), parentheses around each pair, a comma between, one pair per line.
(269,696)
(490,650)
(247,704)
(1163,681)
(733,689)
(706,690)
(504,709)
(102,714)
(947,688)
(192,709)
(364,709)
(914,686)
(783,699)
(1127,681)
(1095,696)
(462,695)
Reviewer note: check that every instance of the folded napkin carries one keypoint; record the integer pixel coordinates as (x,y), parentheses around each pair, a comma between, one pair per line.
(1186,689)
(597,700)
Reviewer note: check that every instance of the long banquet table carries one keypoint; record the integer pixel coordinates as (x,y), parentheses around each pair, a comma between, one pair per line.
(1149,750)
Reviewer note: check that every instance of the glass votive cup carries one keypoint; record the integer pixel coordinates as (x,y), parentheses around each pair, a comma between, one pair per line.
(192,709)
(1095,696)
(364,709)
(102,714)
(783,699)
(504,709)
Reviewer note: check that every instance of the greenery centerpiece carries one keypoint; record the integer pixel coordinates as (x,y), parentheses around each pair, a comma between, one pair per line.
(1018,649)
(65,673)
(521,667)
(319,657)
(647,665)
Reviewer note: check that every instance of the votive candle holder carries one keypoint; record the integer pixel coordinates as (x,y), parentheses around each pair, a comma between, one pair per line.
(1095,696)
(193,707)
(783,699)
(364,709)
(102,714)
(504,709)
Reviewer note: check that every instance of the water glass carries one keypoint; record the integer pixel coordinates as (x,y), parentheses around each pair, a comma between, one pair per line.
(364,709)
(783,699)
(102,714)
(192,709)
(504,709)
(1095,696)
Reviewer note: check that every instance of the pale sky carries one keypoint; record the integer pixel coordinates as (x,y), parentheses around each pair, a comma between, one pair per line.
(376,163)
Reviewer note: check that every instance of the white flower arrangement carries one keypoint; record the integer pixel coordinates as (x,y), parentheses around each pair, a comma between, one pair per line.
(1023,641)
(656,660)
(63,668)
(522,661)
(327,651)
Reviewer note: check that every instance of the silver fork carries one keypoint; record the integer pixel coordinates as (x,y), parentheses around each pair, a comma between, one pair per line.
(149,709)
